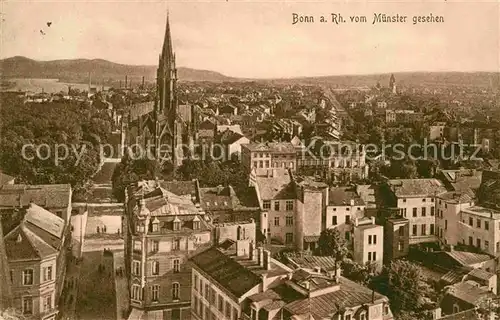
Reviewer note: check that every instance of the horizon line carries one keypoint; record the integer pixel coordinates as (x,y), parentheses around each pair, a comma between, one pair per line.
(261,78)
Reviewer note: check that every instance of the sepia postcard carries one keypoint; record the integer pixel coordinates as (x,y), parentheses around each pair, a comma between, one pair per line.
(249,160)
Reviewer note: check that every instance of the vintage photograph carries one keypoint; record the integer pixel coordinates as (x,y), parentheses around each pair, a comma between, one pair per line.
(249,160)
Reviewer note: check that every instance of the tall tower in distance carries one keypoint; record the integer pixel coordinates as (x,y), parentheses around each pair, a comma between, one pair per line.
(168,125)
(392,84)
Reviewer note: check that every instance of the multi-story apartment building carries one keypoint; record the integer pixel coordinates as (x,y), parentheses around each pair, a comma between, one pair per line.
(269,155)
(396,238)
(415,200)
(448,215)
(35,250)
(292,208)
(368,242)
(161,229)
(241,282)
(344,205)
(480,227)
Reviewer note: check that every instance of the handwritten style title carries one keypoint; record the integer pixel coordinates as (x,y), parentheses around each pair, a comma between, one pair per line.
(337,18)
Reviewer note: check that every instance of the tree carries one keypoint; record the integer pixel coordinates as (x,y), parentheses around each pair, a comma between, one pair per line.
(404,286)
(362,274)
(331,244)
(129,171)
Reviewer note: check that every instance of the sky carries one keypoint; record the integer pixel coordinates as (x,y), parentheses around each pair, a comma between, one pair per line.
(257,38)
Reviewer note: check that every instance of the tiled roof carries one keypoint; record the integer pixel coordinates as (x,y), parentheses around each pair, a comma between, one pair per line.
(463,180)
(232,128)
(45,220)
(349,295)
(468,258)
(454,276)
(342,196)
(226,271)
(229,137)
(416,187)
(22,244)
(481,274)
(325,263)
(225,198)
(276,187)
(469,293)
(47,195)
(456,197)
(180,188)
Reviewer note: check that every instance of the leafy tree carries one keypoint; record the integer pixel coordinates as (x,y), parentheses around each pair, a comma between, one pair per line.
(402,282)
(130,171)
(362,274)
(331,244)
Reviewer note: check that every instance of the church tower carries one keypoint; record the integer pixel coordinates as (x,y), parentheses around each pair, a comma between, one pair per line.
(169,130)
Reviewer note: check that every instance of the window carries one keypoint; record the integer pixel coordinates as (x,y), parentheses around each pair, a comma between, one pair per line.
(423,212)
(478,243)
(404,200)
(261,164)
(471,242)
(177,266)
(276,206)
(276,221)
(155,268)
(235,314)
(27,305)
(289,205)
(175,291)
(47,302)
(255,164)
(155,246)
(176,314)
(374,239)
(176,245)
(478,223)
(456,308)
(432,199)
(177,225)
(47,273)
(423,200)
(253,314)
(155,227)
(196,225)
(135,293)
(28,277)
(401,231)
(486,225)
(347,317)
(414,212)
(431,228)
(471,222)
(386,307)
(334,220)
(206,292)
(228,310)
(289,238)
(369,256)
(486,244)
(432,211)
(370,239)
(401,245)
(424,229)
(136,268)
(404,212)
(347,218)
(220,304)
(374,256)
(155,292)
(445,224)
(196,282)
(266,204)
(362,316)
(289,221)
(12,276)
(347,235)
(414,230)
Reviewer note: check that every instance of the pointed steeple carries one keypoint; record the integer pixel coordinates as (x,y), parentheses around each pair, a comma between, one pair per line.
(167,51)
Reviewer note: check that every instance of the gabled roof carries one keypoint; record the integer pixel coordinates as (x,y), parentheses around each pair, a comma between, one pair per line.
(45,220)
(22,244)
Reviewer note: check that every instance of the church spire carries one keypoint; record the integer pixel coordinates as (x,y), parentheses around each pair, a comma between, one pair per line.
(167,42)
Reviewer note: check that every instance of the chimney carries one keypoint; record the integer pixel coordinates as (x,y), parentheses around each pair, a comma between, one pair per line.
(352,202)
(267,260)
(373,296)
(317,269)
(436,314)
(356,222)
(372,219)
(307,285)
(452,248)
(260,256)
(143,82)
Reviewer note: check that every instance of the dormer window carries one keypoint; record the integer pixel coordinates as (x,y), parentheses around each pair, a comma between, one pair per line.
(177,224)
(155,225)
(196,223)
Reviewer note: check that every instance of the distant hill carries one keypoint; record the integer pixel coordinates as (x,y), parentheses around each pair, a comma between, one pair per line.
(77,70)
(103,71)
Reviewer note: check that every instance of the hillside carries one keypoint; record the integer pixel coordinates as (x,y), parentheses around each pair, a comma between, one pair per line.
(78,70)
